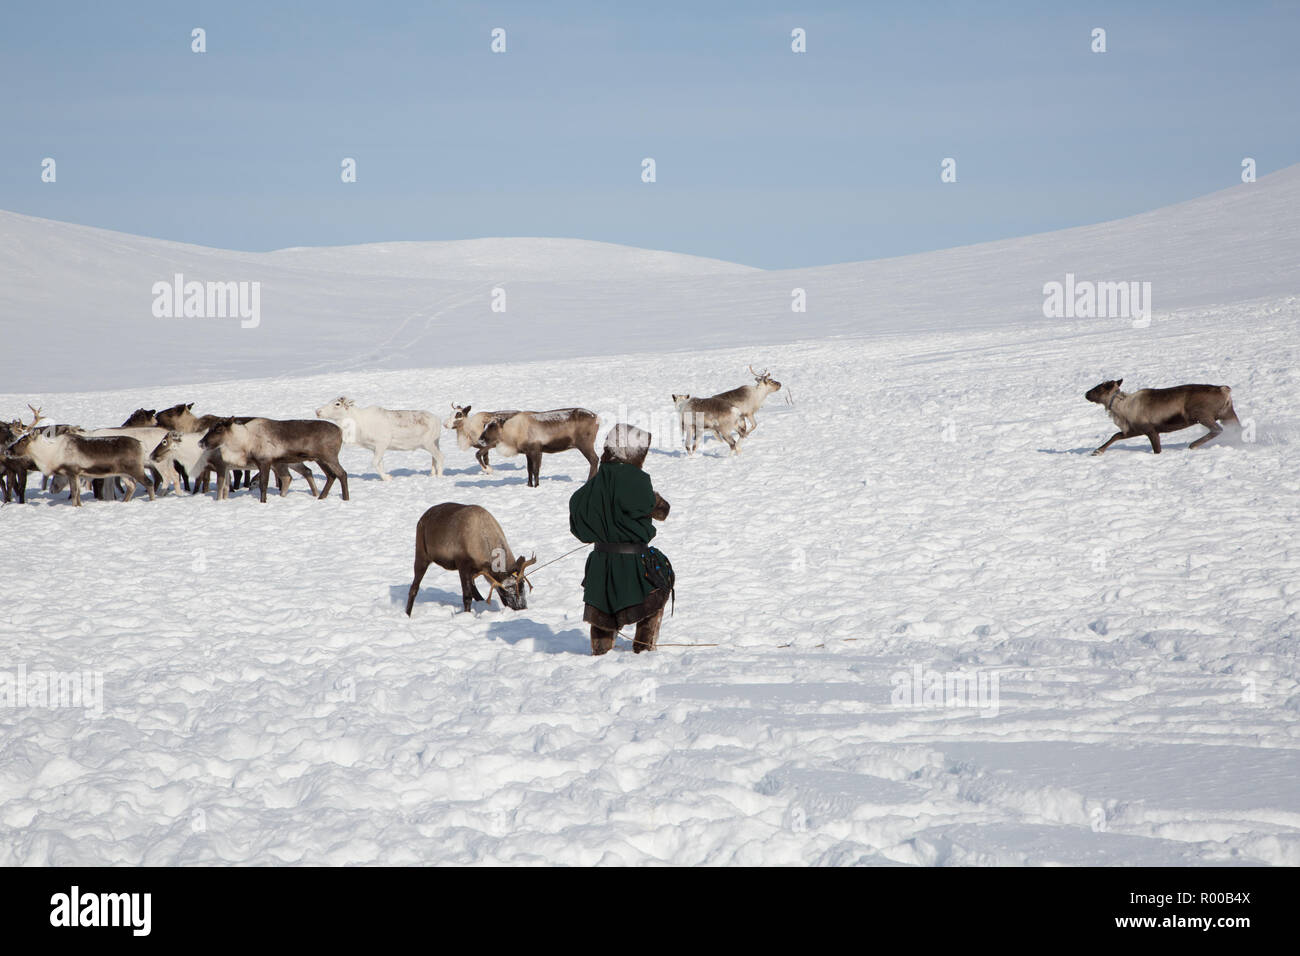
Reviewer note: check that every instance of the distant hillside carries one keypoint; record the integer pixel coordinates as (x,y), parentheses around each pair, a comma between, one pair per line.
(76,302)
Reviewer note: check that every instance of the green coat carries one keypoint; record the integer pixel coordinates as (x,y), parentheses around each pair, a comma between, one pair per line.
(614,506)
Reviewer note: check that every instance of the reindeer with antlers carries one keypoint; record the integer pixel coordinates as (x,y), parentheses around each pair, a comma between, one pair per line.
(467,539)
(749,398)
(75,456)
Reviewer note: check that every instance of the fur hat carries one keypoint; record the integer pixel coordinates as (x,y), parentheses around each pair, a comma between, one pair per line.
(626,443)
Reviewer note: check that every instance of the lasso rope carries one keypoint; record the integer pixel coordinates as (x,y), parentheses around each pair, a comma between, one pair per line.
(560,558)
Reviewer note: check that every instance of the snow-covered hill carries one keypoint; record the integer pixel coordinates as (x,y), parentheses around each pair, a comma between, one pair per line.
(267,701)
(76,302)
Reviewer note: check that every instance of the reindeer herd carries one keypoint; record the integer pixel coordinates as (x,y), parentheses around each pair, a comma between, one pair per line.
(175,449)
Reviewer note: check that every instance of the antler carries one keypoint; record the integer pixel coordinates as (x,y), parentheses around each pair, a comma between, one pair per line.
(524,577)
(37,417)
(493,585)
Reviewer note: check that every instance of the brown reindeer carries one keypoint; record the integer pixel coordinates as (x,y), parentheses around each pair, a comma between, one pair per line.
(264,443)
(467,539)
(1153,411)
(469,428)
(13,468)
(544,433)
(75,456)
(532,434)
(748,399)
(181,418)
(699,415)
(177,446)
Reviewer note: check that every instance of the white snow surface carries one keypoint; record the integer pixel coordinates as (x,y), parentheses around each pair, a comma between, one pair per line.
(927,501)
(76,301)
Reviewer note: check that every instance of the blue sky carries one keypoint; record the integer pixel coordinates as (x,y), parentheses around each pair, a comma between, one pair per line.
(763,156)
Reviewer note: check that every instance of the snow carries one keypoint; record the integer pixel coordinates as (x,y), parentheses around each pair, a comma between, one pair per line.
(80,299)
(927,501)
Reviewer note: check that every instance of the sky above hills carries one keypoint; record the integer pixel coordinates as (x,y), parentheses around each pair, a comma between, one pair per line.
(763,156)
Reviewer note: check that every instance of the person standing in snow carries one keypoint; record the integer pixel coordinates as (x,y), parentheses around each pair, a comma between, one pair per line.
(626,581)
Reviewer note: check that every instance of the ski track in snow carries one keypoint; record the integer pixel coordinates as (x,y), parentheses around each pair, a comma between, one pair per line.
(927,500)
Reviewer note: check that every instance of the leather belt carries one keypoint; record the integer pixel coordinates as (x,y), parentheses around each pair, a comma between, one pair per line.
(618,547)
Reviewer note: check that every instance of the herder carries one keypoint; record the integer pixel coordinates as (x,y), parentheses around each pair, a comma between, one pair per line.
(626,581)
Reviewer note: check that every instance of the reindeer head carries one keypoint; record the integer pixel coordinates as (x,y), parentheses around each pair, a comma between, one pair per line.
(26,428)
(27,434)
(336,409)
(510,587)
(141,417)
(1103,393)
(457,421)
(178,416)
(165,447)
(765,380)
(217,434)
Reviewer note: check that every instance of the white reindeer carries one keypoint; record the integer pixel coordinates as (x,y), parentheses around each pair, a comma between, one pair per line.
(384,429)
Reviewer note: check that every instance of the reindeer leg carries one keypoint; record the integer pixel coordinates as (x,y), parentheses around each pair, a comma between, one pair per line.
(438,460)
(420,568)
(1154,437)
(332,471)
(75,494)
(263,478)
(467,590)
(1215,429)
(593,463)
(378,463)
(1118,436)
(142,480)
(343,477)
(534,460)
(306,473)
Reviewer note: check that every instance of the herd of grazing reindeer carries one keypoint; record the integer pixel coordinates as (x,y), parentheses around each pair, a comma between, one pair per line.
(175,449)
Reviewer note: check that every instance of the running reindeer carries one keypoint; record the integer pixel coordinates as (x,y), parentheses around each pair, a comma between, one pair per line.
(749,398)
(1151,411)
